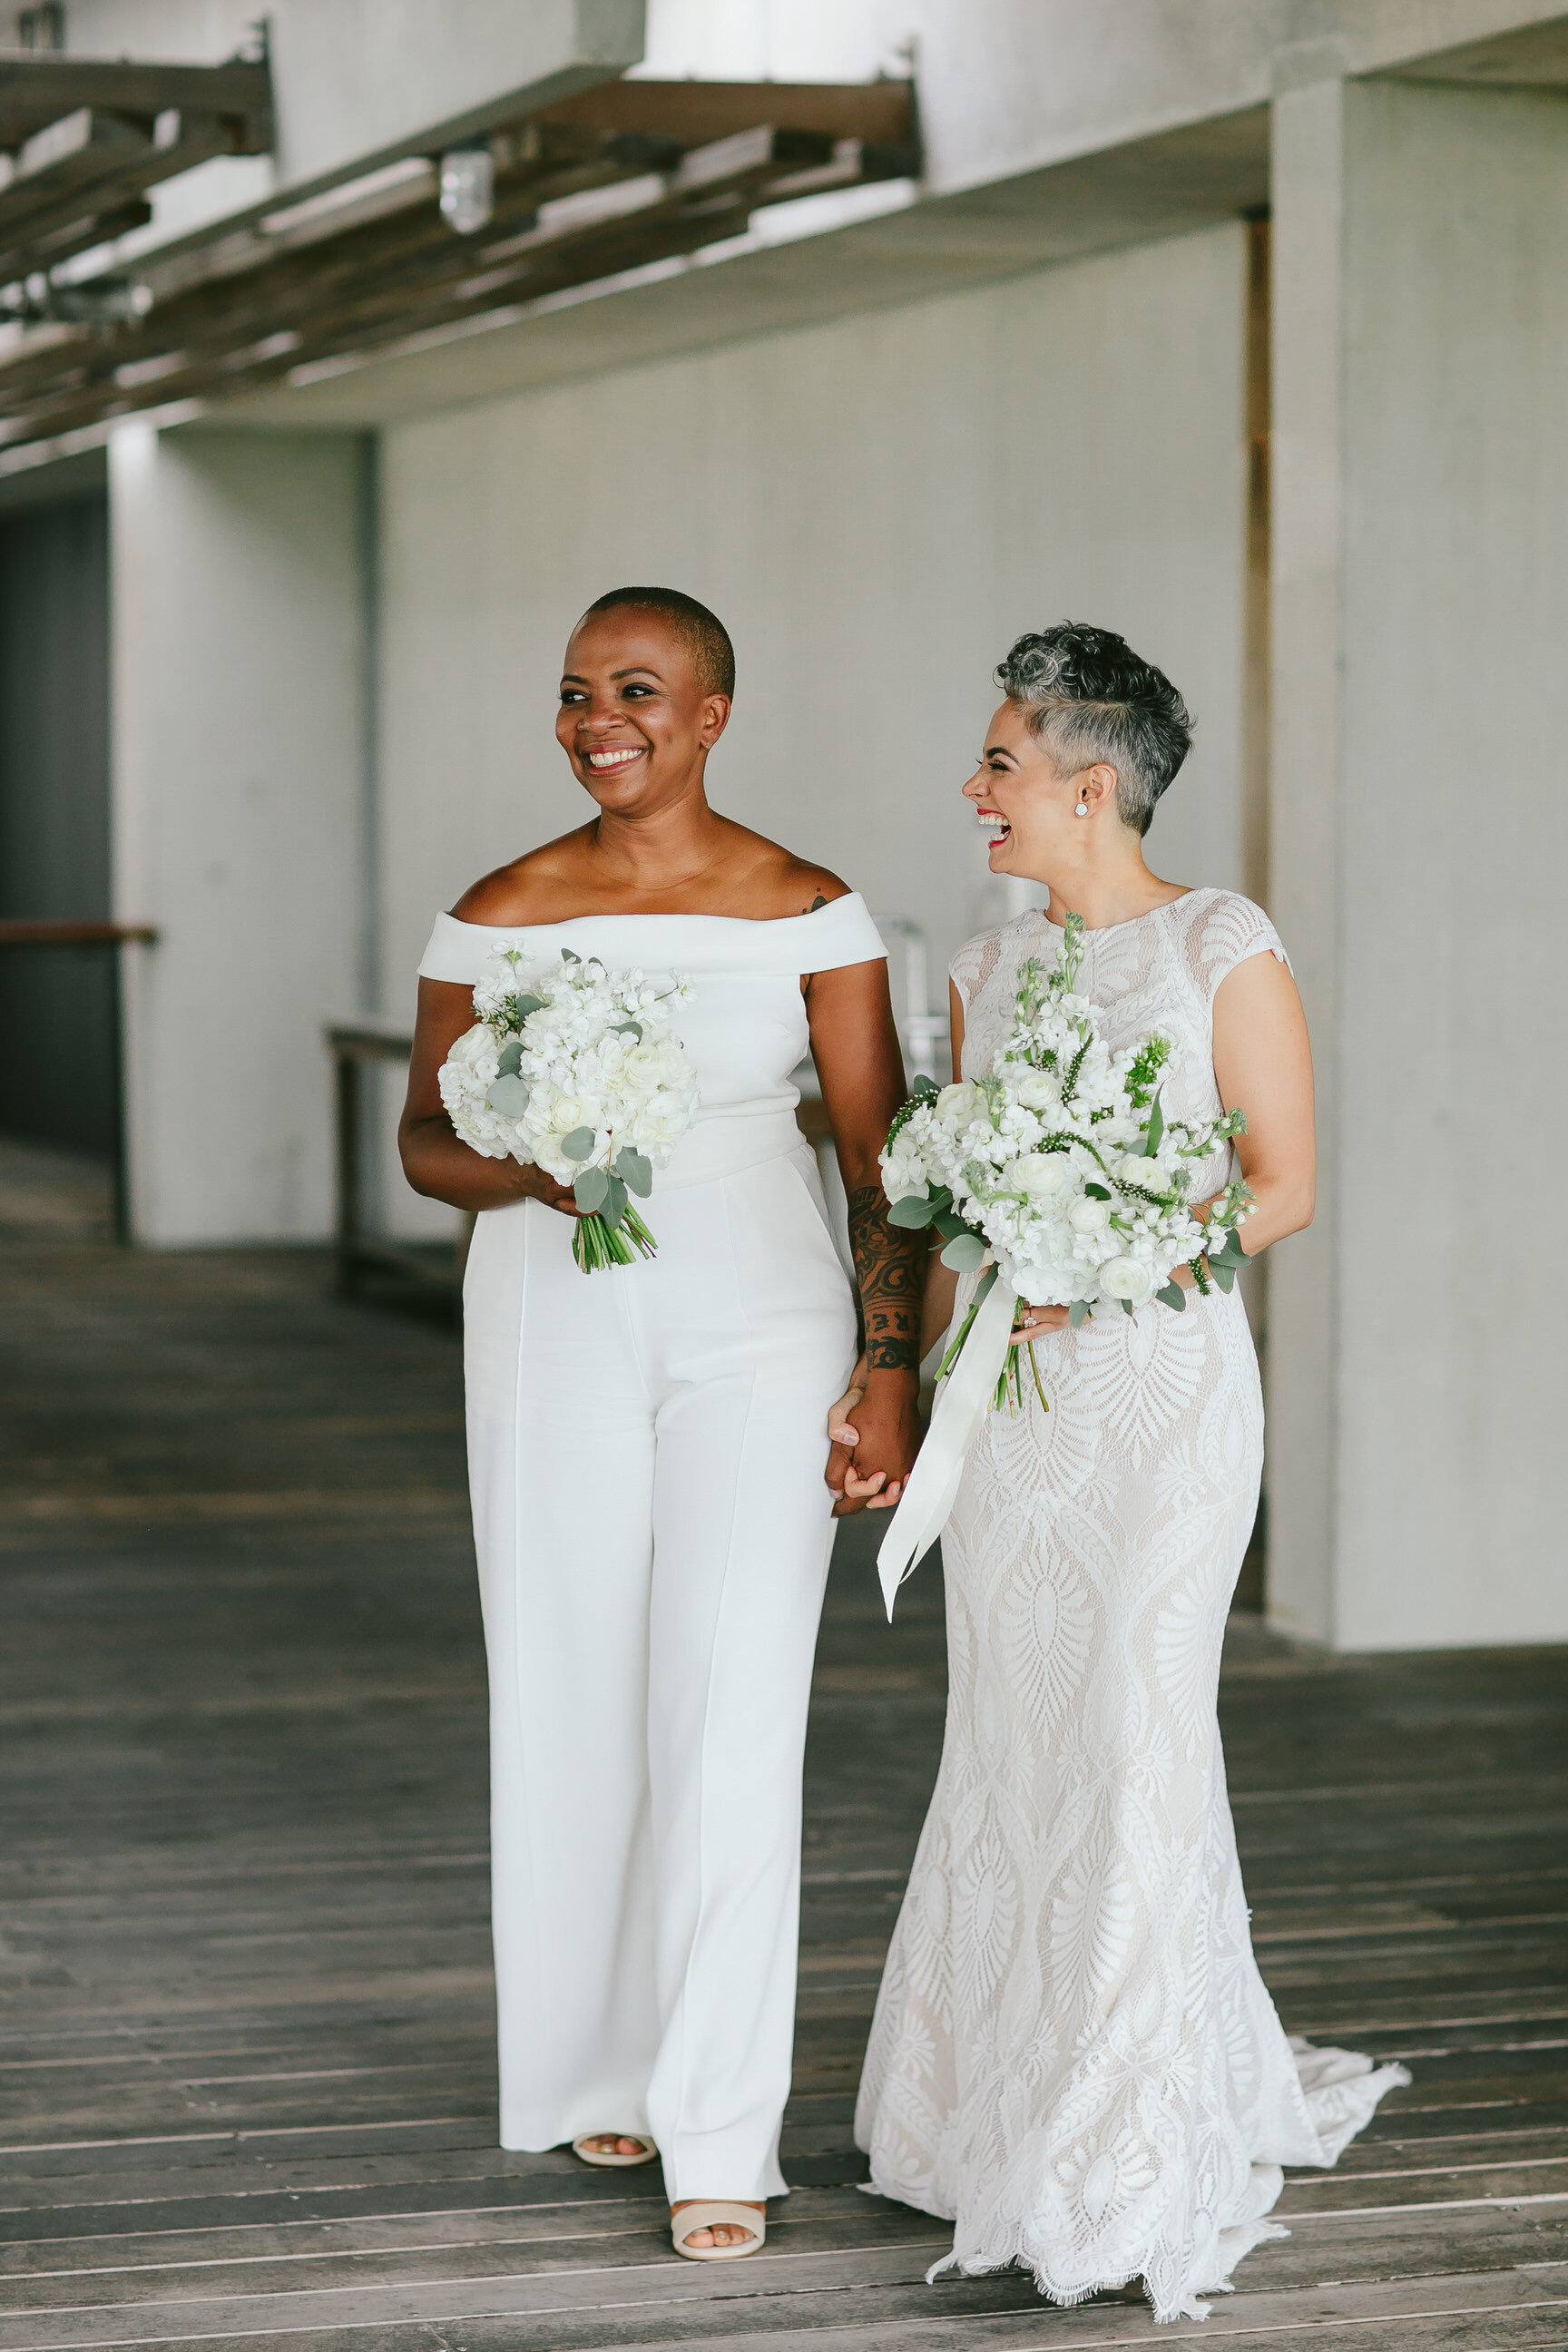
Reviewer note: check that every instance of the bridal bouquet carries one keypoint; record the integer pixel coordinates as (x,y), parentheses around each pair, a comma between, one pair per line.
(1058,1171)
(576,1068)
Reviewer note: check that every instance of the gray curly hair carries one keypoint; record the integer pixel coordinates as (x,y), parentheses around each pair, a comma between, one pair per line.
(1088,697)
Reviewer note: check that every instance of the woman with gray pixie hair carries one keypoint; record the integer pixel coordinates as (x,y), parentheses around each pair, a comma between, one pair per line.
(1074,2056)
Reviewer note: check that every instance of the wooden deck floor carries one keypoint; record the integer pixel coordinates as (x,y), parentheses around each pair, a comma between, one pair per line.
(245,1998)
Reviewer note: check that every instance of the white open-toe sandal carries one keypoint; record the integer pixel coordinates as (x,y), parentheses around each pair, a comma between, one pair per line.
(693,2218)
(592,2155)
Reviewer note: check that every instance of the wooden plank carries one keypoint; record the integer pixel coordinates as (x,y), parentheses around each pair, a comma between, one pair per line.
(246,2046)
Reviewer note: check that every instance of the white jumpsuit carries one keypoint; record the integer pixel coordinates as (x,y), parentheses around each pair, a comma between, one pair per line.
(645,1454)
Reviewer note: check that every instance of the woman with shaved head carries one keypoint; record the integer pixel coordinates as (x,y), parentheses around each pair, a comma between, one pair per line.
(646,1446)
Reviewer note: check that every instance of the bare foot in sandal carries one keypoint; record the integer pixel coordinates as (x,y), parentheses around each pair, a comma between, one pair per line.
(722,2234)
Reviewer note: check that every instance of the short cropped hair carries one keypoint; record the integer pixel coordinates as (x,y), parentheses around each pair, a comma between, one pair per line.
(1089,697)
(702,632)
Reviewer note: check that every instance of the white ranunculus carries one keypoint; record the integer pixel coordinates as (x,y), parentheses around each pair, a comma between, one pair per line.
(1037,1173)
(1087,1216)
(957,1105)
(1137,1169)
(1037,1091)
(1126,1278)
(566,1112)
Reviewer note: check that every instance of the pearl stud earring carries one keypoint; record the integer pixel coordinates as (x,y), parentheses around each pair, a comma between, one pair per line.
(1083,809)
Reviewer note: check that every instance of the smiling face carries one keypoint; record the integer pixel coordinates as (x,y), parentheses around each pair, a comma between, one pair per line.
(636,721)
(1026,807)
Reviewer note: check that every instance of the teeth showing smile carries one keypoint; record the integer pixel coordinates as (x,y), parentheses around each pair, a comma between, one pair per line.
(619,757)
(996,826)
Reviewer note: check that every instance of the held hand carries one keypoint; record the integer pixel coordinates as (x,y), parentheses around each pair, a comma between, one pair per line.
(536,1184)
(877,1460)
(1035,1321)
(844,1437)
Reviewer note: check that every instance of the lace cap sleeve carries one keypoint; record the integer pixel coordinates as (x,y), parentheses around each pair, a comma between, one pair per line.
(974,964)
(1229,930)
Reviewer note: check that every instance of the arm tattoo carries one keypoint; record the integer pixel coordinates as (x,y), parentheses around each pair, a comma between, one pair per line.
(888,1265)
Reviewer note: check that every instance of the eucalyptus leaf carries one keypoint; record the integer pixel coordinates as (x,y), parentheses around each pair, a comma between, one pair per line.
(915,1210)
(1156,1129)
(948,1225)
(579,1144)
(635,1171)
(614,1207)
(632,1029)
(527,1005)
(1224,1275)
(568,956)
(591,1190)
(508,1096)
(511,1058)
(963,1253)
(1126,1305)
(1173,1295)
(1078,1313)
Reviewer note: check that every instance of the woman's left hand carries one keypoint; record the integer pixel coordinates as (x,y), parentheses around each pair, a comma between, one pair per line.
(1034,1322)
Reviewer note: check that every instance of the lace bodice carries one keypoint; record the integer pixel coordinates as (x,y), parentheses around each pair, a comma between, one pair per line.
(1160,971)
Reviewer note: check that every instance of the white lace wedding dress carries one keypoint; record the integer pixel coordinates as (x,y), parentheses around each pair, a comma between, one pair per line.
(1073,2055)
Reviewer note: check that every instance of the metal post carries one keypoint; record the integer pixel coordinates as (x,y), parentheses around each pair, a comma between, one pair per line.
(348,1173)
(117,1093)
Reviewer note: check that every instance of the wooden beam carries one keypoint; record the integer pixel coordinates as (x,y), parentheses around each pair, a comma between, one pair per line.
(41,87)
(881,113)
(373,265)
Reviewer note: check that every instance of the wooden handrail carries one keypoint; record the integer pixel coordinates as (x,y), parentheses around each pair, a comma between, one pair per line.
(46,931)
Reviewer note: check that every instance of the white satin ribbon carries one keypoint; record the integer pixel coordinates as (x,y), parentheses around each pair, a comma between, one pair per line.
(962,1402)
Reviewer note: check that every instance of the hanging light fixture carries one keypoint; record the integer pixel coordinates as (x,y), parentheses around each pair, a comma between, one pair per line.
(467,186)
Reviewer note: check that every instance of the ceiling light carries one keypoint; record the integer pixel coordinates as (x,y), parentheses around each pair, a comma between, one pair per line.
(467,187)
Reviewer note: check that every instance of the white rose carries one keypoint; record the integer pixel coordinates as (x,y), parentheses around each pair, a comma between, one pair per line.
(1087,1216)
(1126,1278)
(566,1112)
(957,1105)
(1037,1091)
(1037,1173)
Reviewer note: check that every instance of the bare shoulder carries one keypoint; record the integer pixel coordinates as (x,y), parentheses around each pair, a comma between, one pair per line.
(775,882)
(529,890)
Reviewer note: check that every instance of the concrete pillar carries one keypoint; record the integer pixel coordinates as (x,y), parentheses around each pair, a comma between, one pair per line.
(239,689)
(1420,702)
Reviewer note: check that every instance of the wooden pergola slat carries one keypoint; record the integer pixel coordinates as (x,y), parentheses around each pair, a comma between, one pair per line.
(364,269)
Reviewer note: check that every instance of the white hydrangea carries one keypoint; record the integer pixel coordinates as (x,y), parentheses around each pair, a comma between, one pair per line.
(566,1050)
(1043,1165)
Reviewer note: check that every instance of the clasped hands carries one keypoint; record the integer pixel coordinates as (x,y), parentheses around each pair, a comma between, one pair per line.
(857,1447)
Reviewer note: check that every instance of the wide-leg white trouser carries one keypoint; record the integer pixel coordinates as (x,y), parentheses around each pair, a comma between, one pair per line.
(645,1453)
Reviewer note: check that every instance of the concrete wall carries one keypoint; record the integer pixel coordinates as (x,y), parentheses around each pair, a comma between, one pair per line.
(1421,695)
(238,678)
(876,509)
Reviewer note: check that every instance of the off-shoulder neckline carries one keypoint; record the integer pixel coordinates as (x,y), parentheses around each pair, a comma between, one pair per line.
(750,922)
